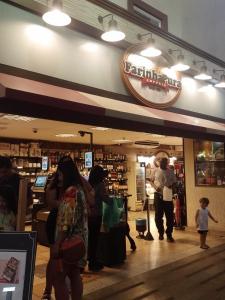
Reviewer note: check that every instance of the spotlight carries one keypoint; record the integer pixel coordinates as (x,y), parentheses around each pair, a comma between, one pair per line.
(202,75)
(179,65)
(55,16)
(113,34)
(151,50)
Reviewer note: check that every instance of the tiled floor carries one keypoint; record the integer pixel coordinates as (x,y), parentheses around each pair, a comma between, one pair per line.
(149,255)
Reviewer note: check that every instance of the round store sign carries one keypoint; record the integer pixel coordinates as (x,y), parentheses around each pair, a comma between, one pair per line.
(150,80)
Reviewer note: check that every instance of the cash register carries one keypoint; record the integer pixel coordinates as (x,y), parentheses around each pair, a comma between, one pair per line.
(40,210)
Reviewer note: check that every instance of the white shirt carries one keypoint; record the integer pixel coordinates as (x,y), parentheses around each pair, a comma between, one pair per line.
(203,215)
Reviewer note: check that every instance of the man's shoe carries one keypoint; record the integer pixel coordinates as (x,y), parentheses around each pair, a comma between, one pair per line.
(170,239)
(161,237)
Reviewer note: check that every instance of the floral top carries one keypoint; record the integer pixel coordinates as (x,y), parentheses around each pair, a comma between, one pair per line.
(72,214)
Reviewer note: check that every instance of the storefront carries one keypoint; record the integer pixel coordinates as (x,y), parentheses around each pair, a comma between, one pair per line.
(63,75)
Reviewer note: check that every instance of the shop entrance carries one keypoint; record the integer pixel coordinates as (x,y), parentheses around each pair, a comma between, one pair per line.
(35,146)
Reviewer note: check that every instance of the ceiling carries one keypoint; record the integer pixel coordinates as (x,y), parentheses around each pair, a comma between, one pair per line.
(12,126)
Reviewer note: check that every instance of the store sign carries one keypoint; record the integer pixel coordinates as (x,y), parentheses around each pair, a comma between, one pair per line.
(154,85)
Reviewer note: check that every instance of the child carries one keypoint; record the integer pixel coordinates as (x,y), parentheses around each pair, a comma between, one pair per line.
(201,219)
(7,217)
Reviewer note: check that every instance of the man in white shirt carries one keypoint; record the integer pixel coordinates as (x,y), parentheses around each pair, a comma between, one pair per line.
(164,178)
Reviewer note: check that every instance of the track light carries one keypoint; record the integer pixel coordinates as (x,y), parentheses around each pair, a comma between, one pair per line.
(179,65)
(55,16)
(202,75)
(151,50)
(113,34)
(220,84)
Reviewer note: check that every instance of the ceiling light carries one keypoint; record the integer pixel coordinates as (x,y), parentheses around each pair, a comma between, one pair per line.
(220,84)
(113,34)
(120,141)
(180,66)
(158,135)
(55,16)
(100,128)
(17,118)
(66,135)
(151,50)
(203,72)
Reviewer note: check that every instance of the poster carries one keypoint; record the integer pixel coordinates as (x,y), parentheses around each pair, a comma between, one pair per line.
(17,263)
(12,273)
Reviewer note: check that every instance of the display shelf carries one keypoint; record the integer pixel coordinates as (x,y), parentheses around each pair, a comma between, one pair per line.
(209,164)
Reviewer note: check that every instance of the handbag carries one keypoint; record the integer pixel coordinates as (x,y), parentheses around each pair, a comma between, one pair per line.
(72,249)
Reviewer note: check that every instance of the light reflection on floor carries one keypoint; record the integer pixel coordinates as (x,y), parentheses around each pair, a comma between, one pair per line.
(149,255)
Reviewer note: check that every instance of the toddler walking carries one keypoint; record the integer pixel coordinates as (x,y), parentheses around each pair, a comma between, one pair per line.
(201,219)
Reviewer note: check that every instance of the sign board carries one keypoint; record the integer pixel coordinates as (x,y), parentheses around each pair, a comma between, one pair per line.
(88,160)
(44,163)
(17,262)
(150,80)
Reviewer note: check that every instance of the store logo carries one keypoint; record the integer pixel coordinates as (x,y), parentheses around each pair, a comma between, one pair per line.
(155,86)
(151,78)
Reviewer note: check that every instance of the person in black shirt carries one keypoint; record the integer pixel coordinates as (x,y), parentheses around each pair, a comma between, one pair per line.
(10,178)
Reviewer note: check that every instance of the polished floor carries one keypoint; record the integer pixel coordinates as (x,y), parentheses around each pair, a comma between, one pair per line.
(150,255)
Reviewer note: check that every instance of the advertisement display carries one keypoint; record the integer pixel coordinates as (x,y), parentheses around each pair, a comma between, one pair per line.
(88,160)
(17,261)
(44,163)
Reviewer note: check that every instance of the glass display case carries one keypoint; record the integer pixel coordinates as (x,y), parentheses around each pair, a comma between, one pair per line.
(209,163)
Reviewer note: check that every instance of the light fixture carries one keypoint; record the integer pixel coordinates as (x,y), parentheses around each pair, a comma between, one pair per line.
(120,141)
(100,128)
(17,118)
(55,16)
(151,50)
(66,135)
(220,84)
(113,34)
(203,72)
(180,66)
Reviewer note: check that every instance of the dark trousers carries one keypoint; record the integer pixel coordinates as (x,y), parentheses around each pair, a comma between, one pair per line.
(162,207)
(94,226)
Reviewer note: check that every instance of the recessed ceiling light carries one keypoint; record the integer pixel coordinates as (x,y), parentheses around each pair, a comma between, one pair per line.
(158,135)
(100,128)
(120,141)
(18,118)
(66,135)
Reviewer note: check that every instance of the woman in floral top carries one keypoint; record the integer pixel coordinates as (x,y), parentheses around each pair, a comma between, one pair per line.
(72,213)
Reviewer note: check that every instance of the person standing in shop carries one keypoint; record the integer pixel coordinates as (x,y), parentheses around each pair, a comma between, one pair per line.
(96,180)
(164,179)
(10,178)
(71,215)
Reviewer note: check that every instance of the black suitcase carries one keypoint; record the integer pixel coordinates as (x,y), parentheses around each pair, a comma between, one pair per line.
(112,246)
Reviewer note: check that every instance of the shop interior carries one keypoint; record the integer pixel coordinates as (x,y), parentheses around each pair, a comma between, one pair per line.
(35,146)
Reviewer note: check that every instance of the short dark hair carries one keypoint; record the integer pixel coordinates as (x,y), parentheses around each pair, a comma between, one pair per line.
(204,200)
(163,163)
(5,162)
(97,175)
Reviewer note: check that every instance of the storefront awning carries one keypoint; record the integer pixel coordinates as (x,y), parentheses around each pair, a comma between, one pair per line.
(28,97)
